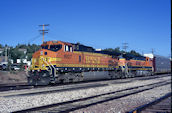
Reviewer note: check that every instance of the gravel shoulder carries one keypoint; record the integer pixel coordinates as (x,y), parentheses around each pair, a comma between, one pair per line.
(11,78)
(9,104)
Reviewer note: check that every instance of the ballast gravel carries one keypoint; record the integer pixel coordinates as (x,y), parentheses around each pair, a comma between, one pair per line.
(128,103)
(14,103)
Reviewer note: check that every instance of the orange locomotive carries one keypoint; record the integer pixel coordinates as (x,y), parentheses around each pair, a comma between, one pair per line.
(59,61)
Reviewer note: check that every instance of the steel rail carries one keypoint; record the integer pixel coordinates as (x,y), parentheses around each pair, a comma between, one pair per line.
(6,87)
(143,107)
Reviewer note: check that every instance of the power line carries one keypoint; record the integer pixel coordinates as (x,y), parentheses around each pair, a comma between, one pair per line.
(43,31)
(33,39)
(30,40)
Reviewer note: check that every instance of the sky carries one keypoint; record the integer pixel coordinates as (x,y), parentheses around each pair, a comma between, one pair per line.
(143,24)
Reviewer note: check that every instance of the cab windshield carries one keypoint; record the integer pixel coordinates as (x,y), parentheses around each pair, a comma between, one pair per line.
(52,47)
(45,47)
(55,47)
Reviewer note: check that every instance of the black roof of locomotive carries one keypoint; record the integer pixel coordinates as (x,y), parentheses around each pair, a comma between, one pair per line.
(109,53)
(127,56)
(80,47)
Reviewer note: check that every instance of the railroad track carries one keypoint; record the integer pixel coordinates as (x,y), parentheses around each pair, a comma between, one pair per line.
(92,100)
(6,87)
(72,87)
(14,87)
(57,90)
(160,105)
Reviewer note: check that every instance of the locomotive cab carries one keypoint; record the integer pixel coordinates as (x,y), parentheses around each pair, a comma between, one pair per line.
(51,52)
(47,60)
(57,46)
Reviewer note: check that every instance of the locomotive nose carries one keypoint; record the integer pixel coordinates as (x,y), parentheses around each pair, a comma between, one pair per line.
(37,60)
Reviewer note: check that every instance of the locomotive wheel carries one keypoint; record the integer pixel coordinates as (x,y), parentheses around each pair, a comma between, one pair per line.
(126,72)
(119,74)
(31,81)
(44,79)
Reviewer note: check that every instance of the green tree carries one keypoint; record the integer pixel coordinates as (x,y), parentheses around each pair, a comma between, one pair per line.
(1,46)
(117,49)
(108,49)
(29,56)
(15,54)
(133,52)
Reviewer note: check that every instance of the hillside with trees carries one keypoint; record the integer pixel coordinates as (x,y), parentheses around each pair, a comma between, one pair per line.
(14,53)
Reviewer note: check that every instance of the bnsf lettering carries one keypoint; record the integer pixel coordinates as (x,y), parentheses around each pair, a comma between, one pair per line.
(93,60)
(137,63)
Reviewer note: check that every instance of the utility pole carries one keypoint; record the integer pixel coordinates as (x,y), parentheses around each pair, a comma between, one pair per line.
(142,53)
(125,46)
(43,31)
(152,51)
(5,54)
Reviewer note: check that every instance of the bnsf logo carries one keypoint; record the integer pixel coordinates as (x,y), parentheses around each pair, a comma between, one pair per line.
(93,60)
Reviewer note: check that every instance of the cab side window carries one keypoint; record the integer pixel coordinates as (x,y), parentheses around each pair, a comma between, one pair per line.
(79,58)
(68,48)
(71,49)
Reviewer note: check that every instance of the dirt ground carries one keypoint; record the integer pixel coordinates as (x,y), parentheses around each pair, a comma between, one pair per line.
(7,77)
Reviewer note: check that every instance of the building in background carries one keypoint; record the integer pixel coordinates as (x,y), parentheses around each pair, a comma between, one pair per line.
(3,59)
(24,61)
(23,50)
(150,55)
(1,51)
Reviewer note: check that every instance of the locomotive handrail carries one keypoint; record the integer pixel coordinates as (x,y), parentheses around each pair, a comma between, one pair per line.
(47,64)
(50,67)
(126,69)
(54,69)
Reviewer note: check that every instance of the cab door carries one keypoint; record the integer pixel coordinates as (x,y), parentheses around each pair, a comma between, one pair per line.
(68,56)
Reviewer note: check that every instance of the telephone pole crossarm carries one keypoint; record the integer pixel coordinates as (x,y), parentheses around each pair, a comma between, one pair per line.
(43,31)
